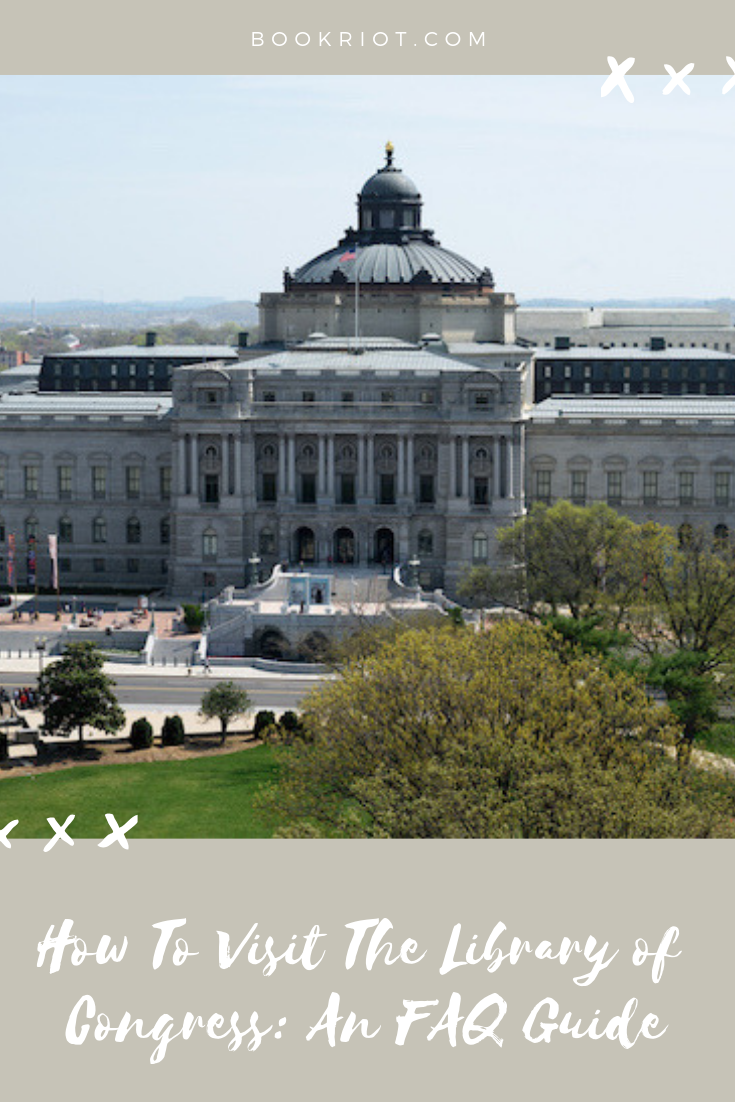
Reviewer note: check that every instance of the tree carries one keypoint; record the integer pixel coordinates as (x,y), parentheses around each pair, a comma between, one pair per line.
(224,701)
(76,692)
(569,556)
(506,733)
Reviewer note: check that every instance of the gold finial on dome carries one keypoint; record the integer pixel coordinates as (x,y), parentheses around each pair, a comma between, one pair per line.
(388,154)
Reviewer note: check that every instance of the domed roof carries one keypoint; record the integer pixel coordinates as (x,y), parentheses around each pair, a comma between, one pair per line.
(389,246)
(390,184)
(419,261)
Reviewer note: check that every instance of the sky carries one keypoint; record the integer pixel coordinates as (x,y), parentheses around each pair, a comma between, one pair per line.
(120,188)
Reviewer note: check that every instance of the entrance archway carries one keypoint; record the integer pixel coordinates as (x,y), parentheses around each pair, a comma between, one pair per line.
(384,547)
(344,547)
(305,545)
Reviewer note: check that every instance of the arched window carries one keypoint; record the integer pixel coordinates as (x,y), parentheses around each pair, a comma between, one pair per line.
(479,548)
(99,530)
(425,544)
(165,530)
(266,542)
(209,544)
(133,530)
(722,533)
(66,530)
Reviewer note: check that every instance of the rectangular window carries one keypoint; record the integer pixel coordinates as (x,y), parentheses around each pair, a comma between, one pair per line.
(722,487)
(480,492)
(387,397)
(99,483)
(2,482)
(308,396)
(686,488)
(308,489)
(64,566)
(98,566)
(428,397)
(614,487)
(211,489)
(387,490)
(348,396)
(164,476)
(31,480)
(426,489)
(650,487)
(543,486)
(268,486)
(482,399)
(347,489)
(133,566)
(579,487)
(269,396)
(133,479)
(64,475)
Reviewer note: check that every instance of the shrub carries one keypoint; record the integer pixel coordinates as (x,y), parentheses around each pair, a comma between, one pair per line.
(172,732)
(194,617)
(263,720)
(291,727)
(141,734)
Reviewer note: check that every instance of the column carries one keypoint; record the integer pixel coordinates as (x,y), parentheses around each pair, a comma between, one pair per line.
(452,467)
(321,473)
(496,467)
(225,464)
(183,489)
(194,465)
(361,479)
(238,465)
(291,466)
(371,466)
(465,466)
(330,468)
(401,466)
(509,452)
(410,479)
(282,483)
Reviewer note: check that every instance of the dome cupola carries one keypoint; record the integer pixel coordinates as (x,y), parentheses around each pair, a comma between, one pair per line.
(389,201)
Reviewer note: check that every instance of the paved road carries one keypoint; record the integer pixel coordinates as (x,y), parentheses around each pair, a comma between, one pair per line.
(182,692)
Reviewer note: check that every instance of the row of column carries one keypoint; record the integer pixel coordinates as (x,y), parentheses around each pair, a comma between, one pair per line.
(505,465)
(230,468)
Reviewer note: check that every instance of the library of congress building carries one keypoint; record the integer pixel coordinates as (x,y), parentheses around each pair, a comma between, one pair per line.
(397,407)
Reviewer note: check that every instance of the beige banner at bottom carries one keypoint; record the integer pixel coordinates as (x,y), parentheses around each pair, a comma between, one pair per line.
(393,970)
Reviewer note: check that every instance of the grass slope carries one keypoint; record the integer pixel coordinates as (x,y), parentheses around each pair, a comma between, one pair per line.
(201,798)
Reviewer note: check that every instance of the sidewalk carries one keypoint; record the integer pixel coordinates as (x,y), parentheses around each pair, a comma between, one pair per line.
(29,665)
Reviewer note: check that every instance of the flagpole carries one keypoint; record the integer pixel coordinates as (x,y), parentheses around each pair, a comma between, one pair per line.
(357,302)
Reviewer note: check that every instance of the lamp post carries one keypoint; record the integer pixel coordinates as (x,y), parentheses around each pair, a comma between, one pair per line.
(254,563)
(74,609)
(40,647)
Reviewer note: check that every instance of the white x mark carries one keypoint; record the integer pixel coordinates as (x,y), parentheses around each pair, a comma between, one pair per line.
(6,831)
(731,82)
(60,833)
(617,78)
(118,832)
(677,79)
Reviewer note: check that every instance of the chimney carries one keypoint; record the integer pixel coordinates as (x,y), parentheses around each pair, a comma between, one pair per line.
(150,339)
(242,339)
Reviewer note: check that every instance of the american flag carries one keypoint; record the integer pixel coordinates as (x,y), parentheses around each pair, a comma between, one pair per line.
(351,254)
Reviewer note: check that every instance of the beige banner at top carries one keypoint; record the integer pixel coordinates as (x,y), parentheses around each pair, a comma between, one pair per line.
(330,37)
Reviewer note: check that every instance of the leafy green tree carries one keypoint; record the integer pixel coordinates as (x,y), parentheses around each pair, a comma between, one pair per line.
(225,702)
(76,693)
(194,616)
(495,734)
(172,731)
(569,556)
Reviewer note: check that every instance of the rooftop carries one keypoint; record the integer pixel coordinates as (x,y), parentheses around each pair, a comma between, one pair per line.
(162,351)
(625,408)
(66,406)
(618,353)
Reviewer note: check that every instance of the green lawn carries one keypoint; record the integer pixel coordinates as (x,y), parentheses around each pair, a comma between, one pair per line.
(201,798)
(720,739)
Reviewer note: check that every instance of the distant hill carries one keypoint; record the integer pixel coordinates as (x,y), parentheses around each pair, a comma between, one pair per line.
(129,315)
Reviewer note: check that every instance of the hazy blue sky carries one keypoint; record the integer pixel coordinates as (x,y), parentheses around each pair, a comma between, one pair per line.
(161,187)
